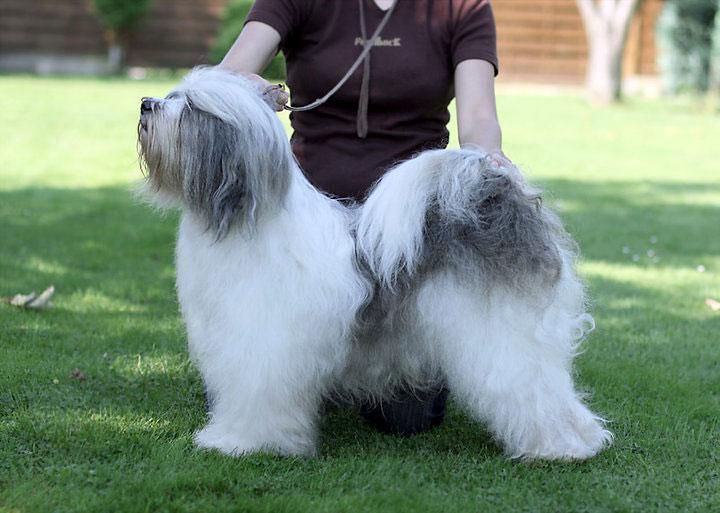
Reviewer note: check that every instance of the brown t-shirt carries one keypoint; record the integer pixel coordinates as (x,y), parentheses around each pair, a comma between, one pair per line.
(411,80)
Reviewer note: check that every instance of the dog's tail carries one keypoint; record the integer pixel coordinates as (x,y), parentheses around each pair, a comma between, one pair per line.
(454,208)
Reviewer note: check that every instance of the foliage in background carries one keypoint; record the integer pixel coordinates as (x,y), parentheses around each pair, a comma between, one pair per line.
(685,42)
(119,15)
(231,24)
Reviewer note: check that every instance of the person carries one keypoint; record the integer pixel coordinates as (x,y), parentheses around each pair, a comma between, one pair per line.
(391,108)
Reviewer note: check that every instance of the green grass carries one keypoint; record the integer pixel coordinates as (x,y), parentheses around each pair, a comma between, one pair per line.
(120,440)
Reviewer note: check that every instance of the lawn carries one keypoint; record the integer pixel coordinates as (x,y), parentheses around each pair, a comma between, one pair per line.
(98,401)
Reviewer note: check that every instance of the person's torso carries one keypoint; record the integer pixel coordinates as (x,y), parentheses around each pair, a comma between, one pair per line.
(410,87)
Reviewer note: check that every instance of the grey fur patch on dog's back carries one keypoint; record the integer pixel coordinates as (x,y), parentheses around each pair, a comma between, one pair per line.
(484,224)
(496,227)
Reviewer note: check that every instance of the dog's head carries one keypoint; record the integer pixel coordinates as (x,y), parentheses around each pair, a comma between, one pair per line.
(215,147)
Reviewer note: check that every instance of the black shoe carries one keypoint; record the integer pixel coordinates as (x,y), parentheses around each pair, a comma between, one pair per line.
(408,412)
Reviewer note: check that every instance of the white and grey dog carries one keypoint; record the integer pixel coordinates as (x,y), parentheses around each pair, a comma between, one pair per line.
(451,270)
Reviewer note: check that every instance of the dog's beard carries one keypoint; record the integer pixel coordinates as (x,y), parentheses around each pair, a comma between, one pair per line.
(158,140)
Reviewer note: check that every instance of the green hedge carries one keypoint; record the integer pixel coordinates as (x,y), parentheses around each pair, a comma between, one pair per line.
(685,43)
(120,14)
(230,26)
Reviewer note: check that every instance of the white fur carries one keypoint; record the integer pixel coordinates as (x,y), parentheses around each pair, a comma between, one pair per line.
(271,315)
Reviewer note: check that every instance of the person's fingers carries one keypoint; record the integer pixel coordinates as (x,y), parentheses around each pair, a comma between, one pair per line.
(276,97)
(273,94)
(500,160)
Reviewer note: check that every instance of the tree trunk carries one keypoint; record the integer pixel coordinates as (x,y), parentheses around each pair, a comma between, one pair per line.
(116,51)
(116,57)
(715,57)
(607,23)
(604,70)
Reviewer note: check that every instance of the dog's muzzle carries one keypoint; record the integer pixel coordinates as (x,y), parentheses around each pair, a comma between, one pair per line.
(147,106)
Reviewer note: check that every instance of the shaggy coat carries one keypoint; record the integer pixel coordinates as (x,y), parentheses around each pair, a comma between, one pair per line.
(450,270)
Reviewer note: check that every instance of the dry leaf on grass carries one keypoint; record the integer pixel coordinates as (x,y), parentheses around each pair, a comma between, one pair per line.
(32,301)
(713,304)
(77,374)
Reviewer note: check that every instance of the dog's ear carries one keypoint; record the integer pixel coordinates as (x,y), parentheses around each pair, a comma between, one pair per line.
(214,170)
(232,171)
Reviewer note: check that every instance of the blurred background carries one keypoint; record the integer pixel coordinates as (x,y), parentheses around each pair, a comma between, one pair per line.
(669,44)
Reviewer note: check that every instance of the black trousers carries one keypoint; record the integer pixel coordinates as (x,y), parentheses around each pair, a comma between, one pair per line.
(409,412)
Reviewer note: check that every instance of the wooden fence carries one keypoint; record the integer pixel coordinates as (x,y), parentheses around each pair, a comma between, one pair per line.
(176,33)
(544,40)
(539,40)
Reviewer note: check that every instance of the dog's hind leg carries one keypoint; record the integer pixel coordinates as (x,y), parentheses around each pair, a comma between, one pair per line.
(507,358)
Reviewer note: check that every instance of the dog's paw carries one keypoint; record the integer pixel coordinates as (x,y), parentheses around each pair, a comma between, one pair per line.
(572,442)
(218,438)
(213,437)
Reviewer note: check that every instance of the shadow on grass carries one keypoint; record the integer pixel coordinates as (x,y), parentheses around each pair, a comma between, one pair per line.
(108,254)
(111,261)
(98,239)
(605,217)
(53,234)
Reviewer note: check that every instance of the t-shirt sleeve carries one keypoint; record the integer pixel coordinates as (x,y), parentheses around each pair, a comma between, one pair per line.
(474,35)
(285,16)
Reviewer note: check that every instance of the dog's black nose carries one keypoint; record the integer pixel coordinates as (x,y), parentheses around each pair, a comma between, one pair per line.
(147,105)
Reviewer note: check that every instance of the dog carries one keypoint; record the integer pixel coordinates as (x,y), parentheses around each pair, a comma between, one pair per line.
(450,270)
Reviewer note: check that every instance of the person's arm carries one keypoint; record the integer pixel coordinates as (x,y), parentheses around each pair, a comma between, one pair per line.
(256,45)
(477,119)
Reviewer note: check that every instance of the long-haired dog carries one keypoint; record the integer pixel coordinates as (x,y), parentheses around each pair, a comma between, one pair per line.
(451,270)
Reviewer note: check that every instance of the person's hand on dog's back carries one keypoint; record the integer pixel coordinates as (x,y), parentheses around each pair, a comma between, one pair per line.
(500,161)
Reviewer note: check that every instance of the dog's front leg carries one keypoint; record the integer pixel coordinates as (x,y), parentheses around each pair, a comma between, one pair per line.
(263,396)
